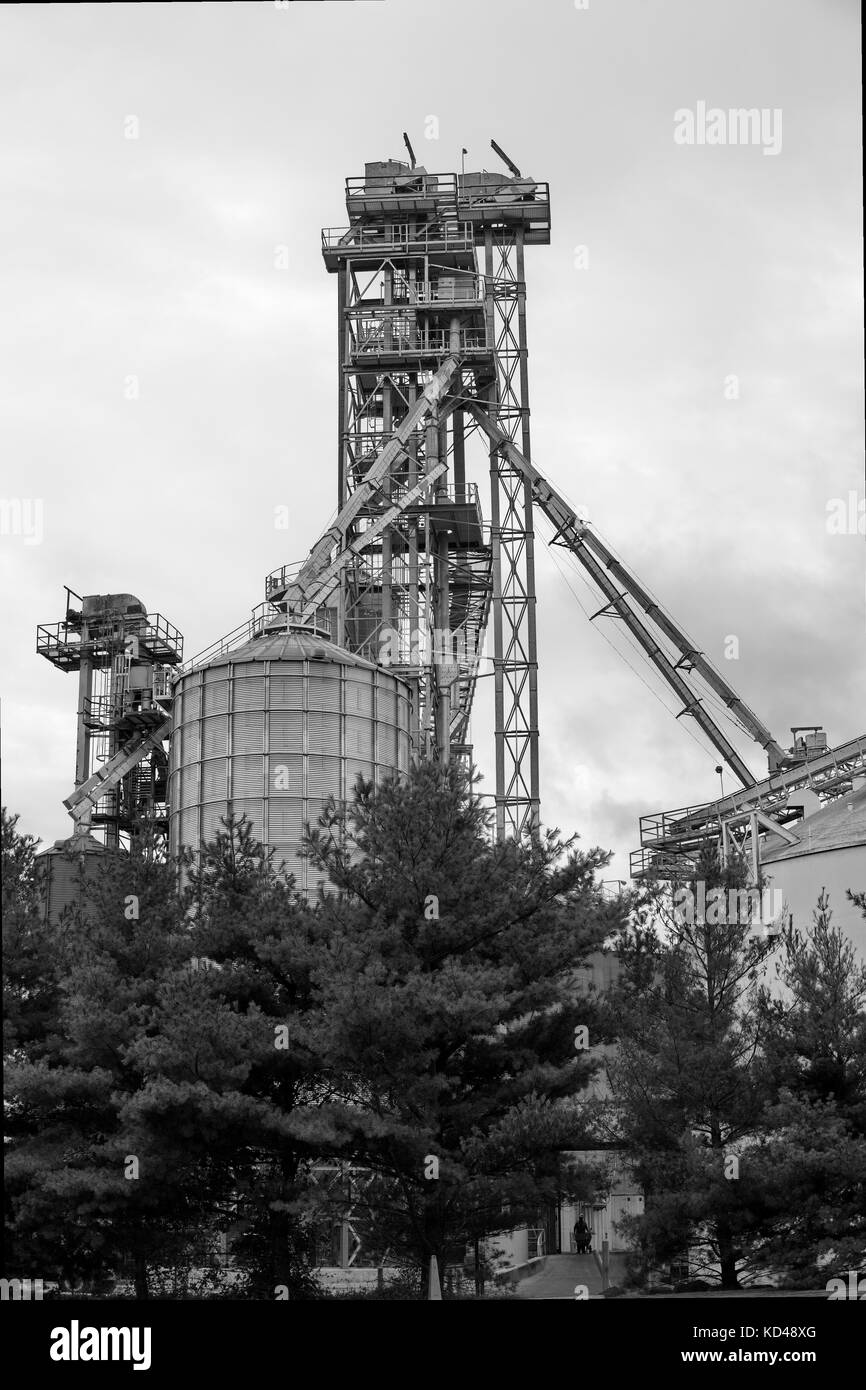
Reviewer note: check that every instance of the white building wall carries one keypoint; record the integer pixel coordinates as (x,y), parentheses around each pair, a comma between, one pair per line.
(801,879)
(508,1249)
(623,1198)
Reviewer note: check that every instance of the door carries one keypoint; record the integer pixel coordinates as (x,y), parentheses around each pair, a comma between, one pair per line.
(623,1204)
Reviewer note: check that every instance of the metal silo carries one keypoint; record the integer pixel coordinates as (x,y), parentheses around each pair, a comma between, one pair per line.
(272,729)
(67,874)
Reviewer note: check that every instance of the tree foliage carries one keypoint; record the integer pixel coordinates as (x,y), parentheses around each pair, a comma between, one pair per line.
(200,1059)
(742,1100)
(449,1006)
(686,1080)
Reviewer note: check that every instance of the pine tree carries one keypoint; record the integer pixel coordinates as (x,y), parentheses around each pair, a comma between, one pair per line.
(251,1106)
(686,1084)
(210,1048)
(450,1009)
(812,1160)
(30,986)
(83,1197)
(816,1029)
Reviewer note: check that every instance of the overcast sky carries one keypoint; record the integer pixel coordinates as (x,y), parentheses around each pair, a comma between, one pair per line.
(154,257)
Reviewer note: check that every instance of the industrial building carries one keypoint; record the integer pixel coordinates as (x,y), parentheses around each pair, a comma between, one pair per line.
(124,658)
(828,852)
(274,728)
(368,653)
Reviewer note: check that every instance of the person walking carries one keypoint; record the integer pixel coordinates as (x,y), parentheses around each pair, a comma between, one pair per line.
(582,1236)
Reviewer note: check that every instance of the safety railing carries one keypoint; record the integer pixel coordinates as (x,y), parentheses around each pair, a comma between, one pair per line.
(384,339)
(653,864)
(397,187)
(463,495)
(99,711)
(822,772)
(406,237)
(478,190)
(163,677)
(665,825)
(279,579)
(149,636)
(162,638)
(54,640)
(449,289)
(261,617)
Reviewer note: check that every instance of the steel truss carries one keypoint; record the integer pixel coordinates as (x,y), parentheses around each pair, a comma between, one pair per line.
(125,659)
(408,573)
(672,840)
(515,654)
(413,560)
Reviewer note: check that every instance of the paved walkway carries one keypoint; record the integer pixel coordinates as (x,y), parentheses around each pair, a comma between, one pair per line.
(559,1276)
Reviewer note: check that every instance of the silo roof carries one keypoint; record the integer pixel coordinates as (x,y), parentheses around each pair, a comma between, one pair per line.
(290,646)
(75,844)
(841,825)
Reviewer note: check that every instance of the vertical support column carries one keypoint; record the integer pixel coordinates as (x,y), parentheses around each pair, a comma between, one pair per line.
(496,547)
(441,487)
(123,792)
(414,604)
(341,635)
(516,655)
(385,603)
(82,735)
(342,279)
(529,540)
(440,652)
(458,435)
(431,606)
(387,613)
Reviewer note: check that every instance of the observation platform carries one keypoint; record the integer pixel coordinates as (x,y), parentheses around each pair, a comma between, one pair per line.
(424,350)
(452,244)
(390,186)
(61,643)
(486,200)
(402,212)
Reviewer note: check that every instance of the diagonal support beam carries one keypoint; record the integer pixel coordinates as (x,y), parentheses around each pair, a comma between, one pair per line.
(590,551)
(81,802)
(379,469)
(327,581)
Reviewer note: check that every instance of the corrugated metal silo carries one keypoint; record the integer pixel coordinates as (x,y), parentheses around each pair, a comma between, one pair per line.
(273,729)
(65,871)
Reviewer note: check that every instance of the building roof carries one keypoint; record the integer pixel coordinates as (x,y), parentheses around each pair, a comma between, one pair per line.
(75,844)
(280,645)
(841,825)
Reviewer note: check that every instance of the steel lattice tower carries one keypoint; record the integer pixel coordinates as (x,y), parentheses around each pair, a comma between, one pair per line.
(514,600)
(425,335)
(125,658)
